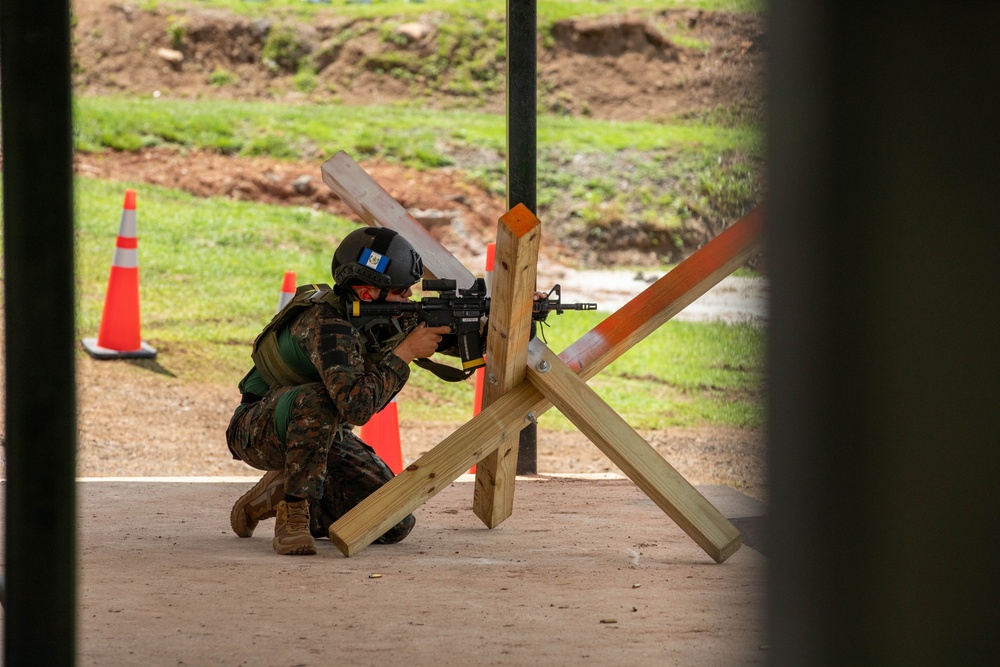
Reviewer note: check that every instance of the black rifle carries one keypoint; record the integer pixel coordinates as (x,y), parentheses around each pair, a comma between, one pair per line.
(462,310)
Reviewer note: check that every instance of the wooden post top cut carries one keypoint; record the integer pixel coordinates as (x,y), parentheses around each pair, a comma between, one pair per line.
(520,220)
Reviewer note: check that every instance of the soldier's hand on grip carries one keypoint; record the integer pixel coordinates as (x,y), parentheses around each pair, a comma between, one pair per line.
(421,343)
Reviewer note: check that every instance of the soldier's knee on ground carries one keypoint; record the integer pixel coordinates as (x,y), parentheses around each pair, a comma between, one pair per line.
(398,532)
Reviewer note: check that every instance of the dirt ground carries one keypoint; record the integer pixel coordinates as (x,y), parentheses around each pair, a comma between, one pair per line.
(584,572)
(622,67)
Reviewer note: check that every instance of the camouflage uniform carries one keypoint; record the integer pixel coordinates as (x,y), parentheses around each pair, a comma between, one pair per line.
(306,429)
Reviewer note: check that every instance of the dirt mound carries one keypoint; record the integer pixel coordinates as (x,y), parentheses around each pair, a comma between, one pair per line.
(613,37)
(622,68)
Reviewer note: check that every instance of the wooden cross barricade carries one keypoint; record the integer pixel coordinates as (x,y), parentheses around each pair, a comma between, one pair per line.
(526,378)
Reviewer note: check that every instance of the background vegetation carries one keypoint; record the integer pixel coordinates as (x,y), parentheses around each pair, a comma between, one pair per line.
(548,10)
(211,273)
(211,268)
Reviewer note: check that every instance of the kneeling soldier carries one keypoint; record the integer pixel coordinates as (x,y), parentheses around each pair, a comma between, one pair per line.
(316,375)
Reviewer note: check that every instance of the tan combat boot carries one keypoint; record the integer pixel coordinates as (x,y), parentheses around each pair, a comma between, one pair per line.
(257,504)
(291,529)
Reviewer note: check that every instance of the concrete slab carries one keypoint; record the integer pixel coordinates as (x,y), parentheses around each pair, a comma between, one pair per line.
(585,571)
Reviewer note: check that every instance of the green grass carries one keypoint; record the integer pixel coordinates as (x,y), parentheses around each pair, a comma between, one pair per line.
(684,374)
(666,168)
(548,10)
(415,137)
(210,276)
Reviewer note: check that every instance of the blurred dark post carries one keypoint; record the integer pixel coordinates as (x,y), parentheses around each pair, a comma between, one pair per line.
(884,352)
(40,537)
(522,68)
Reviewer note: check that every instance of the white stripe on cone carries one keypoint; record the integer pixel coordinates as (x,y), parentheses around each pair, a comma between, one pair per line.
(287,289)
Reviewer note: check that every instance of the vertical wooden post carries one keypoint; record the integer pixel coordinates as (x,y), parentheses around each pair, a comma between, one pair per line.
(514,269)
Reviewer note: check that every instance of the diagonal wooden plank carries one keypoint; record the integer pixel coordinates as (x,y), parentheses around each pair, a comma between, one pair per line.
(518,237)
(424,478)
(594,351)
(668,296)
(377,208)
(631,453)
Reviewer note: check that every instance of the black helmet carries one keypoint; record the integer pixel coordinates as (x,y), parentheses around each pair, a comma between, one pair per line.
(376,256)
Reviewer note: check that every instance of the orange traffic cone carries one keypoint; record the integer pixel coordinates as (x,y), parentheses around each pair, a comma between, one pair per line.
(381,433)
(287,289)
(118,337)
(491,253)
(477,400)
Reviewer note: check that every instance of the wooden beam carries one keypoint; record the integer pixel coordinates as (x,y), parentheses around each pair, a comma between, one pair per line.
(631,453)
(595,350)
(377,208)
(424,478)
(667,296)
(518,238)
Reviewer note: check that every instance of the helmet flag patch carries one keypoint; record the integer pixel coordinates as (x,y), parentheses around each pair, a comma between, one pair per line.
(373,260)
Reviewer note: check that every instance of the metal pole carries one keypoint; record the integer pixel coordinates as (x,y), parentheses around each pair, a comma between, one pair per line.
(40,536)
(522,67)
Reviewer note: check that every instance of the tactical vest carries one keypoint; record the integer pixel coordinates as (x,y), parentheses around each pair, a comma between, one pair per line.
(280,360)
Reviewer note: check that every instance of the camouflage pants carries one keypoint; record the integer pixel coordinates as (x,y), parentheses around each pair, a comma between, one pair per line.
(323,462)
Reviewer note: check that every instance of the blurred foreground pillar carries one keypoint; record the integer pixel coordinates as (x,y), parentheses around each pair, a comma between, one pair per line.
(40,398)
(883,351)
